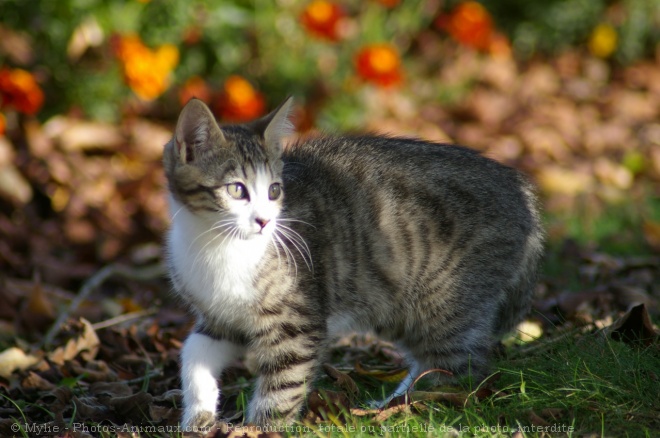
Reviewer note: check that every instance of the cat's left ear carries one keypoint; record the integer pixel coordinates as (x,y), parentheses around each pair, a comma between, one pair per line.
(276,125)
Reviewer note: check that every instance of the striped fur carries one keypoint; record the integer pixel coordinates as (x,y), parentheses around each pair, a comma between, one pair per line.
(431,246)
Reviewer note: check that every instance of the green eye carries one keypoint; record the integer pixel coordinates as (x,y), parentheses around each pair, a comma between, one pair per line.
(237,191)
(274,191)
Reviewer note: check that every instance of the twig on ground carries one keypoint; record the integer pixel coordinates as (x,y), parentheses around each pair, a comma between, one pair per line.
(142,274)
(148,376)
(122,318)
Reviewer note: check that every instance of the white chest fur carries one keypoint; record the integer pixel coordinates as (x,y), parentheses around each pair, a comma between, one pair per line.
(215,270)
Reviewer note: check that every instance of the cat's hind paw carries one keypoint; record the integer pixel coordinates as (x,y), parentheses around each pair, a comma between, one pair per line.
(381,404)
(377,404)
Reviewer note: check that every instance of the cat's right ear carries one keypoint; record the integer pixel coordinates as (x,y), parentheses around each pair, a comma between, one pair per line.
(196,130)
(275,126)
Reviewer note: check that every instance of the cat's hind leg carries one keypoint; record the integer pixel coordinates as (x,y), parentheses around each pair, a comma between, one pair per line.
(202,361)
(457,363)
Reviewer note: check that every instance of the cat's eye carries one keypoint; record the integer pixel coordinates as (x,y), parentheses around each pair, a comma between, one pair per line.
(274,191)
(237,191)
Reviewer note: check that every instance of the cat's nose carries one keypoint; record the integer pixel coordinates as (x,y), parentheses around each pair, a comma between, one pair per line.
(262,222)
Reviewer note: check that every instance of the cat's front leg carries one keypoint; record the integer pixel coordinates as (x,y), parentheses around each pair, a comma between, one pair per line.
(286,373)
(202,361)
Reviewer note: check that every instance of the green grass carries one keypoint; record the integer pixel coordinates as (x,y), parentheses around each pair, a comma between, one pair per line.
(583,384)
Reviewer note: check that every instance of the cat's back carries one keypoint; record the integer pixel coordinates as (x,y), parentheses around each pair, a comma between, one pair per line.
(408,170)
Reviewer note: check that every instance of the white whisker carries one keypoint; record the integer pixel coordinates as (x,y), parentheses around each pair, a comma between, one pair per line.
(219,225)
(230,235)
(289,254)
(201,251)
(176,212)
(297,240)
(277,251)
(295,220)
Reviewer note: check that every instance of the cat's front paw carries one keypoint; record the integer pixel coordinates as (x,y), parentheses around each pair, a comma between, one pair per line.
(199,421)
(264,412)
(259,417)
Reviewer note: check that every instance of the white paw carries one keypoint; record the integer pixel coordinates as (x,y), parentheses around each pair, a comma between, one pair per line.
(197,421)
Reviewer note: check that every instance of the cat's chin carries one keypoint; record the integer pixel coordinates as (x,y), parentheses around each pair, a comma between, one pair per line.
(255,236)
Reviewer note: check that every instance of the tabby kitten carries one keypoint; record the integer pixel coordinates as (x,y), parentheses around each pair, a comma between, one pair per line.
(432,246)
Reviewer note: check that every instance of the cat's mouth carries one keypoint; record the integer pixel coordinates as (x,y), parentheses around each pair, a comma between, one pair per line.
(253,234)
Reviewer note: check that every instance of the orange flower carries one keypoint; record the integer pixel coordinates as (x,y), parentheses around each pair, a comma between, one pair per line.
(470,24)
(321,18)
(379,64)
(19,89)
(499,46)
(146,71)
(127,47)
(239,101)
(3,124)
(195,87)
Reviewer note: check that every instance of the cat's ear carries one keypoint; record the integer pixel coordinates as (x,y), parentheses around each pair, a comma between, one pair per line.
(276,125)
(196,130)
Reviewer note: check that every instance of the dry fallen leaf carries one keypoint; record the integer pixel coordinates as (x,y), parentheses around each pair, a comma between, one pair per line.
(38,312)
(89,408)
(528,331)
(164,413)
(395,375)
(634,327)
(17,46)
(85,343)
(342,380)
(75,135)
(94,371)
(109,390)
(322,403)
(388,412)
(560,180)
(13,186)
(13,359)
(35,381)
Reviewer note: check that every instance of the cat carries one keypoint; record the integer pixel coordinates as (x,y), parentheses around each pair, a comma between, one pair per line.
(432,246)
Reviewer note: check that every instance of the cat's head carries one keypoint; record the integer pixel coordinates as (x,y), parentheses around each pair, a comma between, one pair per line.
(230,176)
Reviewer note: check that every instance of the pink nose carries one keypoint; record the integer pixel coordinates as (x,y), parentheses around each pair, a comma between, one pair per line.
(262,222)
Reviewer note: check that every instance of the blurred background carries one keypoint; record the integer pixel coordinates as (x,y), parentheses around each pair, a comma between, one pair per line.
(566,90)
